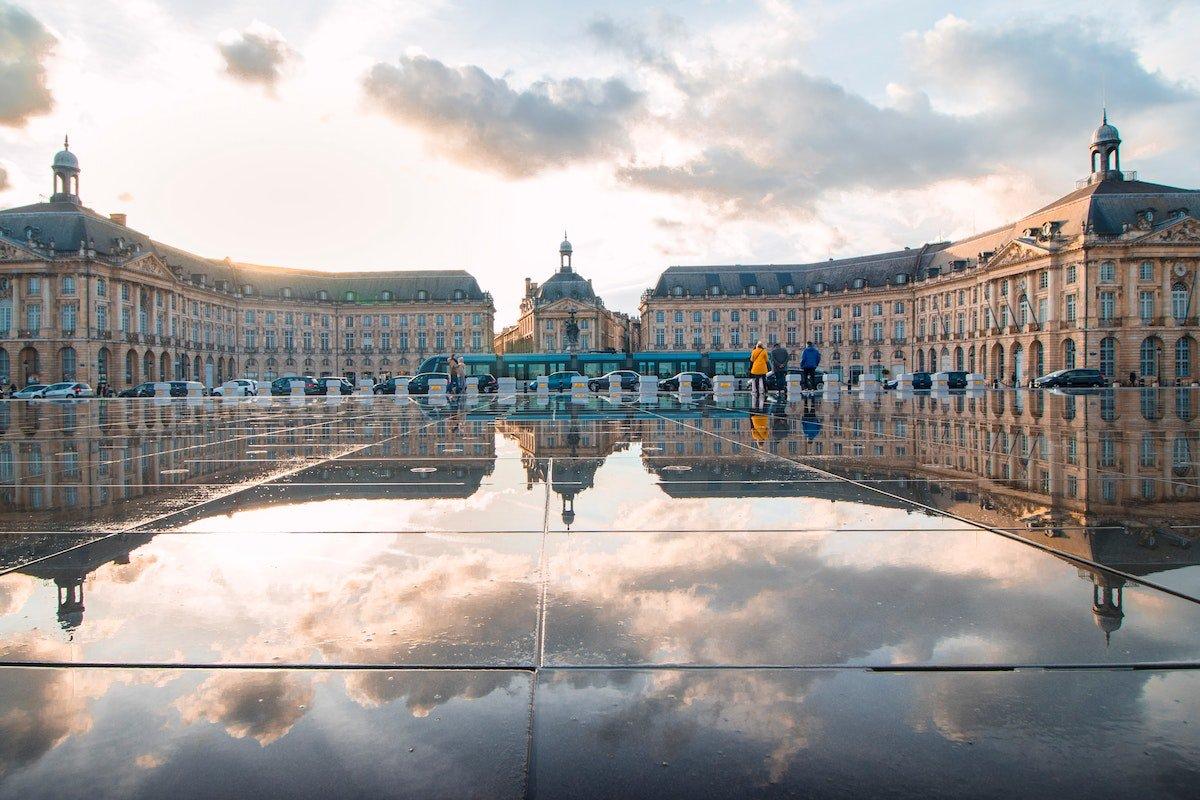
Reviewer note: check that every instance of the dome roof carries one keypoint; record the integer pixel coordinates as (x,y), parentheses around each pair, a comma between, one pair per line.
(566,284)
(564,249)
(1105,133)
(65,158)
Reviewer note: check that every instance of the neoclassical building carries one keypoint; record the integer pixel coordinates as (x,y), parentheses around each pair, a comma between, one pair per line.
(1105,276)
(86,297)
(548,310)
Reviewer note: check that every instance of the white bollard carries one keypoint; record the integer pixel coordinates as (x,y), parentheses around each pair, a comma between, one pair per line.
(471,388)
(579,390)
(647,388)
(831,383)
(297,388)
(333,389)
(685,389)
(506,387)
(795,384)
(614,389)
(940,381)
(723,387)
(437,389)
(975,382)
(195,390)
(263,388)
(904,382)
(542,384)
(162,389)
(365,386)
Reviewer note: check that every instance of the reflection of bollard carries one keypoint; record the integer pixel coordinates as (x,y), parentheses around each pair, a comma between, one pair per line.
(401,388)
(162,389)
(506,388)
(723,387)
(831,383)
(579,390)
(647,388)
(297,388)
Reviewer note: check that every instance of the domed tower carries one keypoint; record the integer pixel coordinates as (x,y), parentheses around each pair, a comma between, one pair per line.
(564,255)
(1106,152)
(1107,610)
(66,176)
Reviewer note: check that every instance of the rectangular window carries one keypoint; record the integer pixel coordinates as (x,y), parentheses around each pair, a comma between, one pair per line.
(1145,271)
(754,316)
(1043,306)
(1043,279)
(68,284)
(1108,272)
(1071,273)
(660,337)
(1070,308)
(69,314)
(33,317)
(476,340)
(101,287)
(898,330)
(735,316)
(1108,305)
(818,313)
(348,341)
(476,319)
(35,286)
(102,317)
(716,316)
(1146,306)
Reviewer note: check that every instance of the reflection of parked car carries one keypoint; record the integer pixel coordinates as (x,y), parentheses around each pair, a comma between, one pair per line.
(628,378)
(31,392)
(1076,378)
(700,382)
(227,389)
(68,389)
(557,381)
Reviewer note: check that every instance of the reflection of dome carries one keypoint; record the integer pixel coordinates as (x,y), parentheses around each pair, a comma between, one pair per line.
(1107,619)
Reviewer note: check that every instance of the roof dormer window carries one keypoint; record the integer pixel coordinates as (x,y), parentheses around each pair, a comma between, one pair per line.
(458,294)
(819,287)
(349,297)
(322,295)
(789,289)
(385,295)
(677,291)
(287,292)
(715,291)
(422,295)
(247,289)
(858,283)
(752,289)
(901,278)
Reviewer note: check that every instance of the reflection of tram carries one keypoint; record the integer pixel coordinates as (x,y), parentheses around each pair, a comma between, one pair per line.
(527,366)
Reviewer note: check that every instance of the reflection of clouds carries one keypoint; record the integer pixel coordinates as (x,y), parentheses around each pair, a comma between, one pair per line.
(43,707)
(130,572)
(371,688)
(15,589)
(262,705)
(779,598)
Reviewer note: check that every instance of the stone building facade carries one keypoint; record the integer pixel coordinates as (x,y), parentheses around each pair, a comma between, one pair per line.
(566,299)
(85,297)
(1105,276)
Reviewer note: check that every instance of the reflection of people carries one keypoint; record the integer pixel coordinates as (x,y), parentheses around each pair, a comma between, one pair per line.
(809,422)
(758,427)
(810,359)
(758,370)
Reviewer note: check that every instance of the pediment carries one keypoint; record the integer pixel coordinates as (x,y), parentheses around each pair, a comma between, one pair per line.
(1016,251)
(14,252)
(1185,230)
(151,265)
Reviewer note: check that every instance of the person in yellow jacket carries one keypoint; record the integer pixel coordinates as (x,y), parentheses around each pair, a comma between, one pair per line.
(758,370)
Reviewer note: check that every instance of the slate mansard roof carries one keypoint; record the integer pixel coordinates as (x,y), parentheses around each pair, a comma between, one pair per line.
(1101,209)
(565,284)
(58,228)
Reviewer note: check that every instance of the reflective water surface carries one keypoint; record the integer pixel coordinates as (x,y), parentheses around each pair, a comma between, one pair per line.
(564,598)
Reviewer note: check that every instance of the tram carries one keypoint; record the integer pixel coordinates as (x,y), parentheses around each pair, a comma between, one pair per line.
(664,364)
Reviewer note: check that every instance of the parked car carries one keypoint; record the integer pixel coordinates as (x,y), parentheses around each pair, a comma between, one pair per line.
(628,378)
(389,386)
(227,388)
(68,389)
(419,384)
(700,382)
(31,392)
(557,381)
(141,390)
(923,381)
(1080,378)
(283,386)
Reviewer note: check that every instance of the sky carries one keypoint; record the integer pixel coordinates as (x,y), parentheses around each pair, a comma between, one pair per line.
(395,134)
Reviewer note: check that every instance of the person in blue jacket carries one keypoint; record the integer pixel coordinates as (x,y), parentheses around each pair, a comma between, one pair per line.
(810,359)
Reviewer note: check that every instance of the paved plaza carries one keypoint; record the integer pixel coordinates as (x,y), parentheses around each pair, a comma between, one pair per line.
(988,594)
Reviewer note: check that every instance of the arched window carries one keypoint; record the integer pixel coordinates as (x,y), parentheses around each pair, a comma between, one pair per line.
(130,366)
(958,359)
(1108,357)
(1183,357)
(1069,354)
(920,361)
(1148,357)
(1037,359)
(101,365)
(1179,302)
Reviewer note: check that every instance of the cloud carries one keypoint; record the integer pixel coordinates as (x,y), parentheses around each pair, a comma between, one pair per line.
(25,45)
(480,120)
(259,54)
(260,705)
(125,197)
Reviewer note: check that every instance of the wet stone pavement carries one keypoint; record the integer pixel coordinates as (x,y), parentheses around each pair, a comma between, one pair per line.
(987,595)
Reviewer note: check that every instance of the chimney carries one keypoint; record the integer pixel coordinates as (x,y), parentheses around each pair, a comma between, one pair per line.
(118,218)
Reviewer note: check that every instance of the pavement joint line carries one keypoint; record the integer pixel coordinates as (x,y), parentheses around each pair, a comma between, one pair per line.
(1133,666)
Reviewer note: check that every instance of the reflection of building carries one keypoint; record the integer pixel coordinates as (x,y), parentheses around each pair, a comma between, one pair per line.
(564,314)
(86,297)
(1105,276)
(576,448)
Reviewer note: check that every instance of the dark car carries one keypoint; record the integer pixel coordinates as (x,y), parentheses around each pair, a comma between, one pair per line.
(141,390)
(628,378)
(283,386)
(174,389)
(557,381)
(419,384)
(700,382)
(1080,378)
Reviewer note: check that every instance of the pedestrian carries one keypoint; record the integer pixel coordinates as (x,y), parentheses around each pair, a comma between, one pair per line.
(779,361)
(758,370)
(455,368)
(810,359)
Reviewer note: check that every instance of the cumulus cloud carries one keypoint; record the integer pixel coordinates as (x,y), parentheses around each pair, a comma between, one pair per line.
(25,46)
(4,182)
(481,120)
(260,705)
(259,54)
